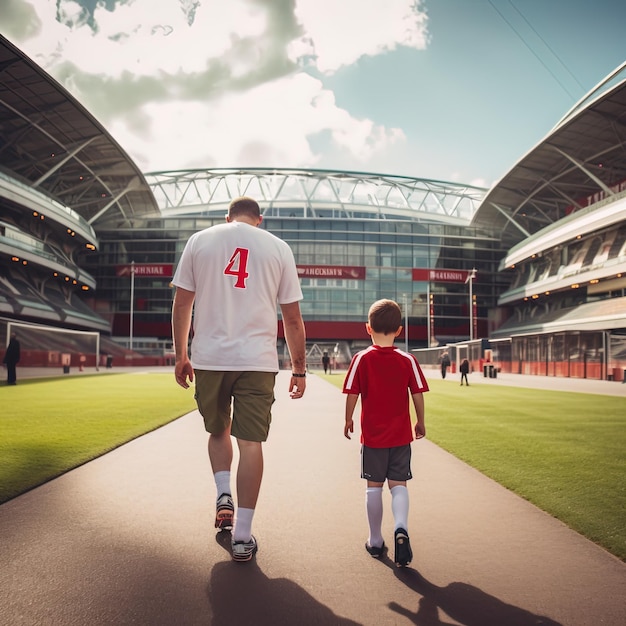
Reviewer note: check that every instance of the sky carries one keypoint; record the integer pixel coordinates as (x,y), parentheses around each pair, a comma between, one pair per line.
(451,90)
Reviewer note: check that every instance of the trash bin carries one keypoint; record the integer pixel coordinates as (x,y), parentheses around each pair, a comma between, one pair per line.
(492,371)
(66,369)
(485,371)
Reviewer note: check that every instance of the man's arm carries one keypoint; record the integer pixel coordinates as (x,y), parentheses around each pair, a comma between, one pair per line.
(181,325)
(296,343)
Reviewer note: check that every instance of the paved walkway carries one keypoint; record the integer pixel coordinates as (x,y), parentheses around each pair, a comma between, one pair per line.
(128,539)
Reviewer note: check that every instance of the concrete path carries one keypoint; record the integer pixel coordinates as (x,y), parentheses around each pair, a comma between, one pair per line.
(128,539)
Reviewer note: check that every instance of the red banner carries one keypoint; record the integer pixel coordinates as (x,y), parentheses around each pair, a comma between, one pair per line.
(440,275)
(145,269)
(331,271)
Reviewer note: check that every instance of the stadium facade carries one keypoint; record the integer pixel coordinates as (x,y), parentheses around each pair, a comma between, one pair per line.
(530,273)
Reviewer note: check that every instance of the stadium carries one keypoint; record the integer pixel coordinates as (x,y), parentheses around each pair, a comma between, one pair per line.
(526,277)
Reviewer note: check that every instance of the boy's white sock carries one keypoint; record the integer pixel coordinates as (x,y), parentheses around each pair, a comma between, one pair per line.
(400,506)
(374,507)
(222,482)
(243,525)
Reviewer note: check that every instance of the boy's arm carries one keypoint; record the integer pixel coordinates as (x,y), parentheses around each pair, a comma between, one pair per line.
(420,426)
(348,428)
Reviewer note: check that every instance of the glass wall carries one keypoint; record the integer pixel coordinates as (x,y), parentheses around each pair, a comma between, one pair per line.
(384,251)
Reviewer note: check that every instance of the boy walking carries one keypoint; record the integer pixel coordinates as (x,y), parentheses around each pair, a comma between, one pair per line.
(384,376)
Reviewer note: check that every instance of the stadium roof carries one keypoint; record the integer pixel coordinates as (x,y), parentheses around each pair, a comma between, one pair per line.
(51,142)
(316,193)
(584,155)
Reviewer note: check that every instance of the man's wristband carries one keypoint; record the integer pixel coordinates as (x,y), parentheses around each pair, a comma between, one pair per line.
(298,375)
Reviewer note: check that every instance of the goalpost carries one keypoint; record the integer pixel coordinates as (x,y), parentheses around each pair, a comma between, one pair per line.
(47,346)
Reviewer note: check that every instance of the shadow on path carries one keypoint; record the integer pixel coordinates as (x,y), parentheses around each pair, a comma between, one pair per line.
(466,604)
(240,593)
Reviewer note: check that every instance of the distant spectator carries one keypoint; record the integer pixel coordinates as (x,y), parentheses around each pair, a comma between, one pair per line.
(11,359)
(325,362)
(464,369)
(445,363)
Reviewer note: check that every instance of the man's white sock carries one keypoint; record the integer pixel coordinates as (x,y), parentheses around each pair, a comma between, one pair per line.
(222,482)
(243,525)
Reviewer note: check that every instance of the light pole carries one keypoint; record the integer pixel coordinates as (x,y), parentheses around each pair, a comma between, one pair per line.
(470,279)
(132,302)
(405,302)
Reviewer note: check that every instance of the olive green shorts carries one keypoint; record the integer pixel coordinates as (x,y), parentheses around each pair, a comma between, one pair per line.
(251,395)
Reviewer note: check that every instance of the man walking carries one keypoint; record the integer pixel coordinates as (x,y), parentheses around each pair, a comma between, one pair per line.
(11,359)
(233,276)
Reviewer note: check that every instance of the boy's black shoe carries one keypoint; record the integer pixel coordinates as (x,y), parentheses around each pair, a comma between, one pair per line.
(403,553)
(373,551)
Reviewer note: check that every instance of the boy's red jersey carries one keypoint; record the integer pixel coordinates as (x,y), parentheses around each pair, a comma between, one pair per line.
(384,377)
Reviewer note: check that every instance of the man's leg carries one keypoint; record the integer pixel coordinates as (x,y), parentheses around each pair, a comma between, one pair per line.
(221,456)
(249,476)
(221,451)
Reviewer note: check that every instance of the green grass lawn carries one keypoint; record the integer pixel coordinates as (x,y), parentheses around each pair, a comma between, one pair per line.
(50,426)
(563,451)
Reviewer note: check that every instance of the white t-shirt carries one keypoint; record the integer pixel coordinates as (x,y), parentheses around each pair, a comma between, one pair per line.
(239,274)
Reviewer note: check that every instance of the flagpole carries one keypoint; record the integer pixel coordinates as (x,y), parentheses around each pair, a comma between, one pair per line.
(470,279)
(428,312)
(132,302)
(406,322)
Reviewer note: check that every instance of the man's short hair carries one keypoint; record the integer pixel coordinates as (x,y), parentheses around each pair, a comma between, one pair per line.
(244,206)
(385,317)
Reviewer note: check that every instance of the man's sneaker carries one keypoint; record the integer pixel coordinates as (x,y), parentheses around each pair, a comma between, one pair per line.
(404,554)
(225,511)
(374,551)
(244,550)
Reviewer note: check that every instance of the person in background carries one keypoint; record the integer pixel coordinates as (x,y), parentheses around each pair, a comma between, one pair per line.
(325,362)
(11,359)
(464,369)
(233,276)
(445,364)
(384,376)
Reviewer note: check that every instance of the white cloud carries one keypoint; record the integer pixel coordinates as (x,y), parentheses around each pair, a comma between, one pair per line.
(216,84)
(342,32)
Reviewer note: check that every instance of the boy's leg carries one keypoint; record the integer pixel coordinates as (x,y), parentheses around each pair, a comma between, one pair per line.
(399,504)
(374,508)
(400,507)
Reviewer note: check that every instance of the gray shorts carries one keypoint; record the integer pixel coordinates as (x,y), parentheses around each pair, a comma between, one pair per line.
(380,464)
(251,395)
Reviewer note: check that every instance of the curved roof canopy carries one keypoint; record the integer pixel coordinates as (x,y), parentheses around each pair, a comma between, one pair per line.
(51,142)
(581,161)
(316,193)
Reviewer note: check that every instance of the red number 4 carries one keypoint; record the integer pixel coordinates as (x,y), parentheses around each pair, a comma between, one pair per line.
(237,266)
